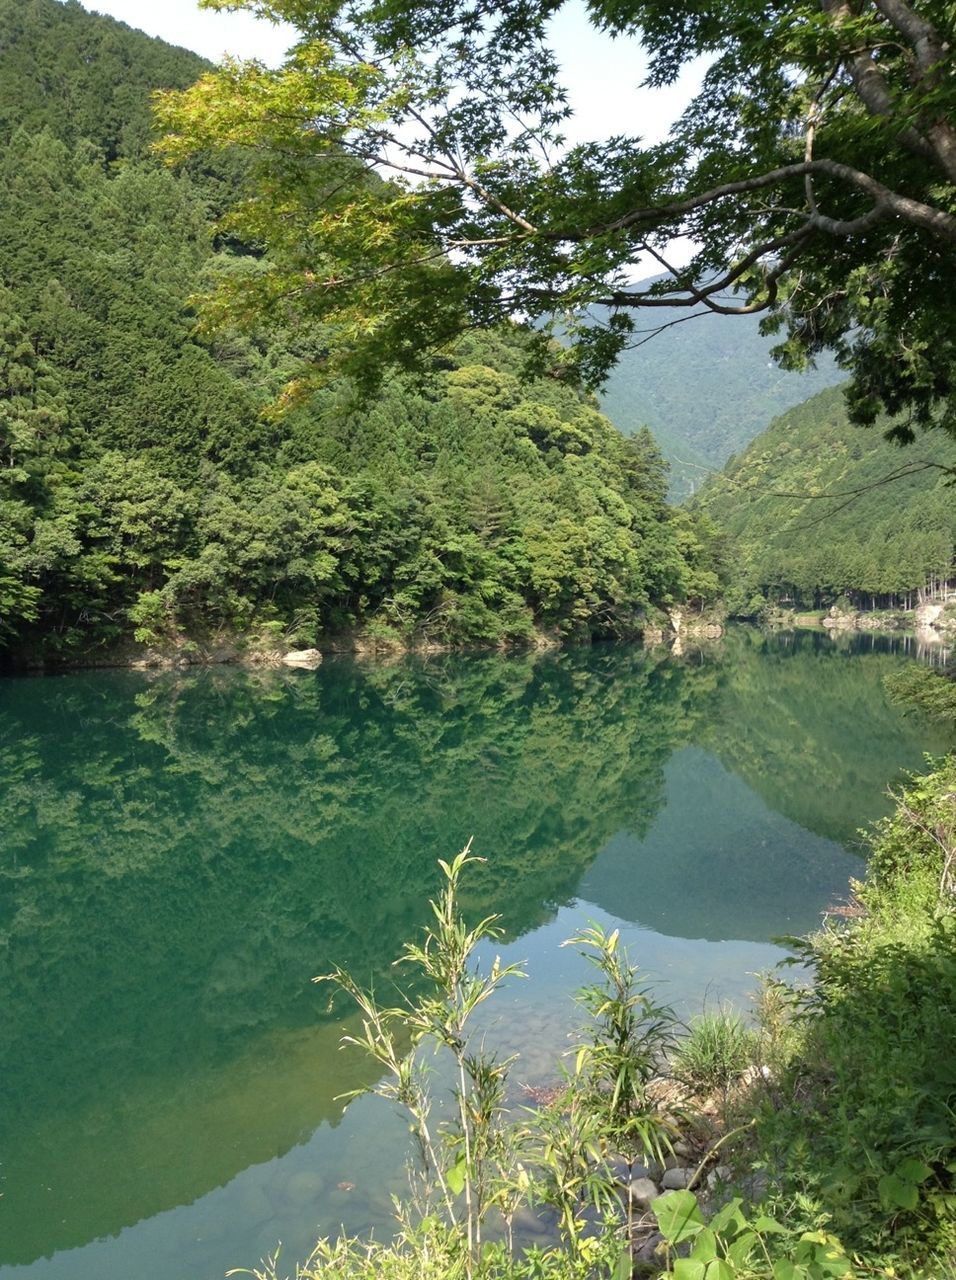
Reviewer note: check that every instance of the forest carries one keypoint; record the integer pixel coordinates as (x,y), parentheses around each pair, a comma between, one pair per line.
(150,490)
(816,509)
(159,487)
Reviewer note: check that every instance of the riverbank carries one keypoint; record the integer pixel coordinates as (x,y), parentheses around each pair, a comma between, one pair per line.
(265,647)
(930,623)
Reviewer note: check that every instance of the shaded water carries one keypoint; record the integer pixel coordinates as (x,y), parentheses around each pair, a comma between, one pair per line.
(181,853)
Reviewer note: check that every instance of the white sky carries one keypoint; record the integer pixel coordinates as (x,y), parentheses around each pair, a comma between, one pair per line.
(602,75)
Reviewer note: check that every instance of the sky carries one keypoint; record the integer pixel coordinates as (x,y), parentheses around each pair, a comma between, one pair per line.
(603,76)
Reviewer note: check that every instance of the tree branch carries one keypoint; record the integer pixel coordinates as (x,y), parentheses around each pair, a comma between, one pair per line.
(932,52)
(939,143)
(934,220)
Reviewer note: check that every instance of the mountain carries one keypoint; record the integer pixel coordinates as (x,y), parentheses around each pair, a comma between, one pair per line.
(706,387)
(83,76)
(816,507)
(149,492)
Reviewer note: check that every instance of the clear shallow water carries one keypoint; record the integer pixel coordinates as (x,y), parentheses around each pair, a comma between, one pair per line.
(179,854)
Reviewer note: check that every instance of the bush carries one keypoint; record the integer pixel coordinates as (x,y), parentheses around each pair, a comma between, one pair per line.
(868,1133)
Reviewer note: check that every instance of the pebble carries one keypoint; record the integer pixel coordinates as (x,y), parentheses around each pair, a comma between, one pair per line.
(677,1179)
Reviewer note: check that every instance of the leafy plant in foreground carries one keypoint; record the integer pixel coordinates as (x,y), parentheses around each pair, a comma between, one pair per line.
(735,1246)
(626,1044)
(476,1168)
(458,1156)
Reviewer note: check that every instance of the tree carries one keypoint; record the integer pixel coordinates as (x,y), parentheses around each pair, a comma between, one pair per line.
(33,440)
(409,181)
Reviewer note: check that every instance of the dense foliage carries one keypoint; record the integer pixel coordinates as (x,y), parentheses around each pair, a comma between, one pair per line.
(860,1127)
(814,509)
(145,488)
(84,78)
(814,174)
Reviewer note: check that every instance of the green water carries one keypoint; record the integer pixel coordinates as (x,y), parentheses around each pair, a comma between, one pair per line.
(181,853)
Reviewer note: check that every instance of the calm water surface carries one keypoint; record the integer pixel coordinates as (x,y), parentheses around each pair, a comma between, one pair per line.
(179,854)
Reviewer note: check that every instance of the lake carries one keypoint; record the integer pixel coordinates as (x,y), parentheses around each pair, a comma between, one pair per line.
(182,852)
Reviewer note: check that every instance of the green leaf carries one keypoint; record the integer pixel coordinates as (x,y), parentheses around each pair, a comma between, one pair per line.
(741,1249)
(768,1226)
(705,1246)
(678,1216)
(832,1263)
(897,1194)
(721,1270)
(785,1270)
(689,1269)
(729,1215)
(455,1177)
(913,1170)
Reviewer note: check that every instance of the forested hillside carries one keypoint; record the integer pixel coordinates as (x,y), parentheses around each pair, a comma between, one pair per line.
(706,388)
(145,486)
(816,508)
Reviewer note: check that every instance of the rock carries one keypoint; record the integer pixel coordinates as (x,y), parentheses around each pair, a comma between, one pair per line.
(648,1251)
(307,658)
(624,1171)
(683,1149)
(643,1192)
(677,1179)
(256,1205)
(671,1162)
(755,1186)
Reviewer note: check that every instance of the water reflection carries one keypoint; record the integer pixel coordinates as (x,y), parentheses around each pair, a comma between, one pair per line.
(182,853)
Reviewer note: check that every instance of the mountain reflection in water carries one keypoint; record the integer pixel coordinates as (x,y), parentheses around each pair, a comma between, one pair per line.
(181,853)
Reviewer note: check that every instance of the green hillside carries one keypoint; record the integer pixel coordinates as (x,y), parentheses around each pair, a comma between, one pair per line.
(147,490)
(706,388)
(815,508)
(82,76)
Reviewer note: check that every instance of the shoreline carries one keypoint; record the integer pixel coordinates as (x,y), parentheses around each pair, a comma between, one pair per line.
(671,631)
(933,624)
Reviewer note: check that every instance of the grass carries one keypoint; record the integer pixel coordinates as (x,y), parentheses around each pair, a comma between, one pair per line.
(717,1050)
